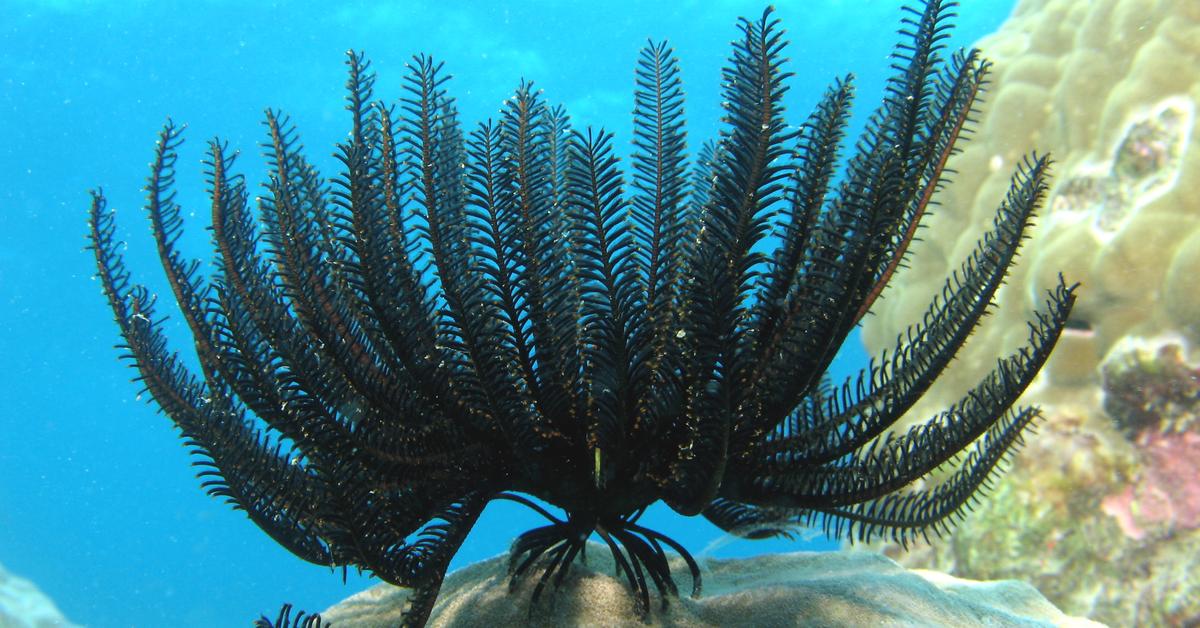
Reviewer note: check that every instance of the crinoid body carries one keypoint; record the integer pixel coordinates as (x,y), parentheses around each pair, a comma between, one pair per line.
(505,313)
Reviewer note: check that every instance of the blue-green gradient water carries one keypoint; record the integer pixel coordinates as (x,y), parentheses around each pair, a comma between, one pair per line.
(98,502)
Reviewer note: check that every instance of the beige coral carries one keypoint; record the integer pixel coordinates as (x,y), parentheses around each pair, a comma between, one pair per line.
(798,589)
(1109,88)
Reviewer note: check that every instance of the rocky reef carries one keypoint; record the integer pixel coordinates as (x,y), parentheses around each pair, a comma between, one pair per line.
(1154,397)
(24,605)
(1102,508)
(1101,515)
(800,589)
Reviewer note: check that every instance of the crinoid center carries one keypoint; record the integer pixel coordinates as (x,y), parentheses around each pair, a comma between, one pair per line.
(583,500)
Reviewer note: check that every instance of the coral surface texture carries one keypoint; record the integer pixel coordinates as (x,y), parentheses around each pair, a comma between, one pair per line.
(1102,509)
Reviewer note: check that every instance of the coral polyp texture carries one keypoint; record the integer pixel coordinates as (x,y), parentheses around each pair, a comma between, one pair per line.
(1100,512)
(1110,88)
(499,313)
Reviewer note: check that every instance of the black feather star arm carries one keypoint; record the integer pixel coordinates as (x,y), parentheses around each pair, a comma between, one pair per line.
(285,620)
(509,313)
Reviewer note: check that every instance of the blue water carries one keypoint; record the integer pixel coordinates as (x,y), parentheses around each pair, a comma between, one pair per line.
(98,502)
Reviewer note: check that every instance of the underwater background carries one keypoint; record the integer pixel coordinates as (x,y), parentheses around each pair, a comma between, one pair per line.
(99,505)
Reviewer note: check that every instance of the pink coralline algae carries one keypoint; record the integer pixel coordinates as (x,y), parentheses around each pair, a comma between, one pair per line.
(1166,494)
(1154,396)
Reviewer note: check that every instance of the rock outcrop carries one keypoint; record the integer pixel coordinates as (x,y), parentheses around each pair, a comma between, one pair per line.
(23,605)
(849,588)
(1100,510)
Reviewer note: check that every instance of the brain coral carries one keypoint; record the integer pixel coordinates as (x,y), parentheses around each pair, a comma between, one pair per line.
(1109,88)
(1106,526)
